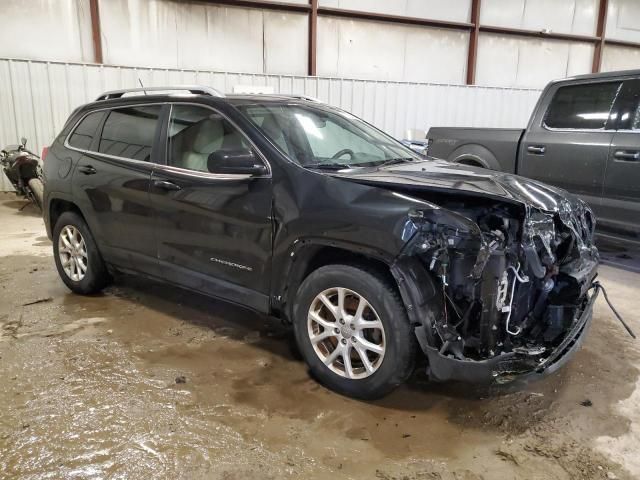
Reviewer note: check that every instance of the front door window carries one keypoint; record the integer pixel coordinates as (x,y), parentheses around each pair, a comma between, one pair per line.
(197,132)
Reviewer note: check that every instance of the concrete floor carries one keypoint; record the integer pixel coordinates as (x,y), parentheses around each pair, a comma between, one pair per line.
(146,381)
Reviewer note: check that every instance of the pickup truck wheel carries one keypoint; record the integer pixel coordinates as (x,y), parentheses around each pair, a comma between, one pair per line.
(77,257)
(352,329)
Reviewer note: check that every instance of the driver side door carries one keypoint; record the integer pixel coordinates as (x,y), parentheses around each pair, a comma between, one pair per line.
(213,230)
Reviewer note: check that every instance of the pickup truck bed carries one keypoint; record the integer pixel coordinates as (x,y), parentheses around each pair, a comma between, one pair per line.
(494,148)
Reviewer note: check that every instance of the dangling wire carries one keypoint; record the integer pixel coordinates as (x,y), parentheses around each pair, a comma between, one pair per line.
(516,278)
(598,286)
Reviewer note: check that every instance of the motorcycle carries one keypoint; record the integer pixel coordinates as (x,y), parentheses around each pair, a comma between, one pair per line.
(22,168)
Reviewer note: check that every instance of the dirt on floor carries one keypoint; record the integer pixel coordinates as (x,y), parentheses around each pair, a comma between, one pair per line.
(149,381)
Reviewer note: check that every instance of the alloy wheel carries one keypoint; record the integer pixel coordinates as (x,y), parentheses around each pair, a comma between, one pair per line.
(72,251)
(346,333)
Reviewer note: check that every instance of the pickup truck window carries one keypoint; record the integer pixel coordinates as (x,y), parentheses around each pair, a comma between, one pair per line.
(629,110)
(584,107)
(634,116)
(635,121)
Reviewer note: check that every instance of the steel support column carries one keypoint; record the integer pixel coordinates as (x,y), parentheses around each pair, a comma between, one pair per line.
(95,31)
(473,42)
(313,37)
(601,27)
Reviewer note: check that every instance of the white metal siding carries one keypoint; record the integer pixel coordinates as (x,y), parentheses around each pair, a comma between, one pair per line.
(557,59)
(37,97)
(454,10)
(566,16)
(197,35)
(52,29)
(349,48)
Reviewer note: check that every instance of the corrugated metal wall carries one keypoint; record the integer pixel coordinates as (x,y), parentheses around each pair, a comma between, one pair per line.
(36,97)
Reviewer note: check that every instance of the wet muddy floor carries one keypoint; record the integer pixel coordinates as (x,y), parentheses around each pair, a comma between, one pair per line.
(148,381)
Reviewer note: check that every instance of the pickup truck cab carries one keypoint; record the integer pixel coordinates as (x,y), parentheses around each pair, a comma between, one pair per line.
(583,136)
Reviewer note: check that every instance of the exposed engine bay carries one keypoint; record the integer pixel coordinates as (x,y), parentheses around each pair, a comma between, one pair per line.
(513,283)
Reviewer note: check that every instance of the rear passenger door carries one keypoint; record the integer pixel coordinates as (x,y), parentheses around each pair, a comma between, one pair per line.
(214,231)
(111,183)
(568,144)
(621,195)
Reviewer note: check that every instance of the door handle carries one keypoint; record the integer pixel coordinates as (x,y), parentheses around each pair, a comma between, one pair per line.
(166,185)
(87,169)
(537,149)
(627,156)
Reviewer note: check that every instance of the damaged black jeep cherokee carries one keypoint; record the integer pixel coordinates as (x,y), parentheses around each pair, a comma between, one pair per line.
(300,210)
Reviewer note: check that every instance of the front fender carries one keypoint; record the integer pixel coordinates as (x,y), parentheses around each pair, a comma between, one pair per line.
(294,263)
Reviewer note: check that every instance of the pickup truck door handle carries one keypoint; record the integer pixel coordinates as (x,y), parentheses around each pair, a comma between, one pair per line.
(627,156)
(166,185)
(87,169)
(537,149)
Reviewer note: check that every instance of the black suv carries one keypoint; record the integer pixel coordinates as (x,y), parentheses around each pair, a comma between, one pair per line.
(296,209)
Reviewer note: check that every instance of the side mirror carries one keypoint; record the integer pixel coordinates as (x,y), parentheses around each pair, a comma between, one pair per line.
(419,146)
(237,161)
(23,141)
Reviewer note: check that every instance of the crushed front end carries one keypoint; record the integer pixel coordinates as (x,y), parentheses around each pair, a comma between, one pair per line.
(498,290)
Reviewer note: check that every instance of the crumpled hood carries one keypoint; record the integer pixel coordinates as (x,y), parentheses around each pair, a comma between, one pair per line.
(446,176)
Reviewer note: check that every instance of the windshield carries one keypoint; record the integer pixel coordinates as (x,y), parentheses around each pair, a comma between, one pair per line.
(316,137)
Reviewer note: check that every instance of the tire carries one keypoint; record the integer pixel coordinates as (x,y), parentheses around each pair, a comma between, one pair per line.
(37,189)
(95,276)
(385,371)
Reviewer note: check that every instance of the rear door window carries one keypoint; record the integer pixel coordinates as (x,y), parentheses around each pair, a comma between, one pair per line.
(629,110)
(585,107)
(129,132)
(84,133)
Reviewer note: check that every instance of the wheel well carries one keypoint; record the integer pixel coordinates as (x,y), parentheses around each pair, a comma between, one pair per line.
(471,162)
(327,255)
(58,207)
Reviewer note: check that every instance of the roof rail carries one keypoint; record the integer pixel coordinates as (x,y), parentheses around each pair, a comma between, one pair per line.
(194,89)
(302,97)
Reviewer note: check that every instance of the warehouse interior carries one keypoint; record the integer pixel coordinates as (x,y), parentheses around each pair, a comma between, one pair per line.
(151,380)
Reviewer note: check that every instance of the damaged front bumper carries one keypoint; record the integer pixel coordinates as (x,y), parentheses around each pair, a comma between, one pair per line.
(495,295)
(511,366)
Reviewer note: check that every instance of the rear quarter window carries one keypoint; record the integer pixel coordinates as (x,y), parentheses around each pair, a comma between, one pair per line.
(84,133)
(582,106)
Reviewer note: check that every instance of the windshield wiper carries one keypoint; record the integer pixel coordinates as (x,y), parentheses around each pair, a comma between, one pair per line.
(394,161)
(329,166)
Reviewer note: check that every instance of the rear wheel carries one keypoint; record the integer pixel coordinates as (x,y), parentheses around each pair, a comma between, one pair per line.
(352,329)
(77,257)
(471,163)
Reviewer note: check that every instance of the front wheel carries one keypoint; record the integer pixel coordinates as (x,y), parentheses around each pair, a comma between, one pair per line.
(352,329)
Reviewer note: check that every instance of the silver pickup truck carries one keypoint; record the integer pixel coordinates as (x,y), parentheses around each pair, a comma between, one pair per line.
(583,136)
